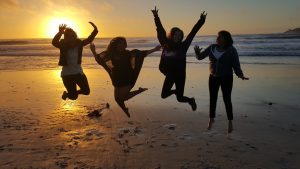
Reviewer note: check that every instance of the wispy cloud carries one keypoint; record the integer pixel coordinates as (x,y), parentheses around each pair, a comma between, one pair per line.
(9,4)
(76,6)
(70,7)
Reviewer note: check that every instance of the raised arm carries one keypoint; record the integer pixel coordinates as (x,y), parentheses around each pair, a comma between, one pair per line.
(93,49)
(92,36)
(144,53)
(100,59)
(236,65)
(201,55)
(157,48)
(194,31)
(55,41)
(161,33)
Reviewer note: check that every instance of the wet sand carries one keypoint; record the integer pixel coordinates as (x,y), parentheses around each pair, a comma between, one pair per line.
(39,130)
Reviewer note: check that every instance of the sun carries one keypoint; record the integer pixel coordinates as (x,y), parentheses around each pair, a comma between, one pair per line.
(53,24)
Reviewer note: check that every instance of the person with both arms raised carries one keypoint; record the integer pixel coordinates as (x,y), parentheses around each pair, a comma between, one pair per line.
(71,48)
(173,58)
(123,67)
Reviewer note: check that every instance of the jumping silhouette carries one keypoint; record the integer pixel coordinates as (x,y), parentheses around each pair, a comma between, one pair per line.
(70,59)
(173,58)
(123,67)
(223,58)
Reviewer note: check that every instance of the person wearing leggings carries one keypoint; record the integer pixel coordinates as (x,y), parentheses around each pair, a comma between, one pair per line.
(223,59)
(123,66)
(173,58)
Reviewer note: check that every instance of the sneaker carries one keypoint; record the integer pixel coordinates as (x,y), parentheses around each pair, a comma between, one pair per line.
(64,95)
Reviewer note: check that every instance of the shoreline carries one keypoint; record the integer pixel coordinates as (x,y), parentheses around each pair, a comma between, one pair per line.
(40,130)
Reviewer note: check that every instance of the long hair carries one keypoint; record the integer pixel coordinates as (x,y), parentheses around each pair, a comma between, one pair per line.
(112,46)
(227,37)
(172,32)
(171,45)
(70,33)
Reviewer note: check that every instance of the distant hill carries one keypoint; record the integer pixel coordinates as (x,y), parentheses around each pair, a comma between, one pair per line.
(293,31)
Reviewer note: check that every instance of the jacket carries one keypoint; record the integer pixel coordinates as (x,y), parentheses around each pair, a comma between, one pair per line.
(225,65)
(64,47)
(177,63)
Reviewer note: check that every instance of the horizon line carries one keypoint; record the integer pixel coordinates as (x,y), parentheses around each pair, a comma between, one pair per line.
(109,37)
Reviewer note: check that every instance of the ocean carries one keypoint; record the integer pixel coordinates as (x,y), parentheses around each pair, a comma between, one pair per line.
(22,54)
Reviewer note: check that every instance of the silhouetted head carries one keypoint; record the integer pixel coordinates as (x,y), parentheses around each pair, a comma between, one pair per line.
(224,39)
(70,35)
(176,35)
(117,44)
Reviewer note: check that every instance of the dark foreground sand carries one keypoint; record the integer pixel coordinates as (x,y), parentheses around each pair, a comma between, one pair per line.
(39,130)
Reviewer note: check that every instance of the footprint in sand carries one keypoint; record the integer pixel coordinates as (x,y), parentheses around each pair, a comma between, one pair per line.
(185,137)
(94,132)
(249,145)
(242,141)
(170,126)
(62,162)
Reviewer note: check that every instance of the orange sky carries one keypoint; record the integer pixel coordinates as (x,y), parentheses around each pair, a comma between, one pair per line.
(40,18)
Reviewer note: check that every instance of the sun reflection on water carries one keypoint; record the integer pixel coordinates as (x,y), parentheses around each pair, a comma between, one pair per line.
(56,75)
(69,105)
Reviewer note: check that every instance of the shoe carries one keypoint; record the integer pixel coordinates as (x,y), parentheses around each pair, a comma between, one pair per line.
(64,95)
(193,104)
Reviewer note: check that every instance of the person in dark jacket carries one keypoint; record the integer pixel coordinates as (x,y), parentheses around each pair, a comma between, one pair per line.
(223,59)
(70,59)
(123,67)
(173,58)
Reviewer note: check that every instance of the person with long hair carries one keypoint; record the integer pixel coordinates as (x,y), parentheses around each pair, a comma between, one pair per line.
(223,59)
(70,59)
(173,58)
(123,67)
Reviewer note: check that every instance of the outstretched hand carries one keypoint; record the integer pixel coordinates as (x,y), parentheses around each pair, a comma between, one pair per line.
(203,16)
(62,28)
(155,11)
(95,27)
(197,51)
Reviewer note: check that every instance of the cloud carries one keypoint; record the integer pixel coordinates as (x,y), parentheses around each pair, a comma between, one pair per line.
(8,4)
(4,3)
(55,7)
(105,7)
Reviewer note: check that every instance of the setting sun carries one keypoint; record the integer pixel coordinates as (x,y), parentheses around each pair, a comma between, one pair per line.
(53,24)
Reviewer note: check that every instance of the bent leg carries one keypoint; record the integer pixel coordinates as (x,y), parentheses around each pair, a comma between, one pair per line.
(131,94)
(180,83)
(120,95)
(167,86)
(83,83)
(70,84)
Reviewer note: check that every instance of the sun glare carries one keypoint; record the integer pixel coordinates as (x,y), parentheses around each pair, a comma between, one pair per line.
(53,24)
